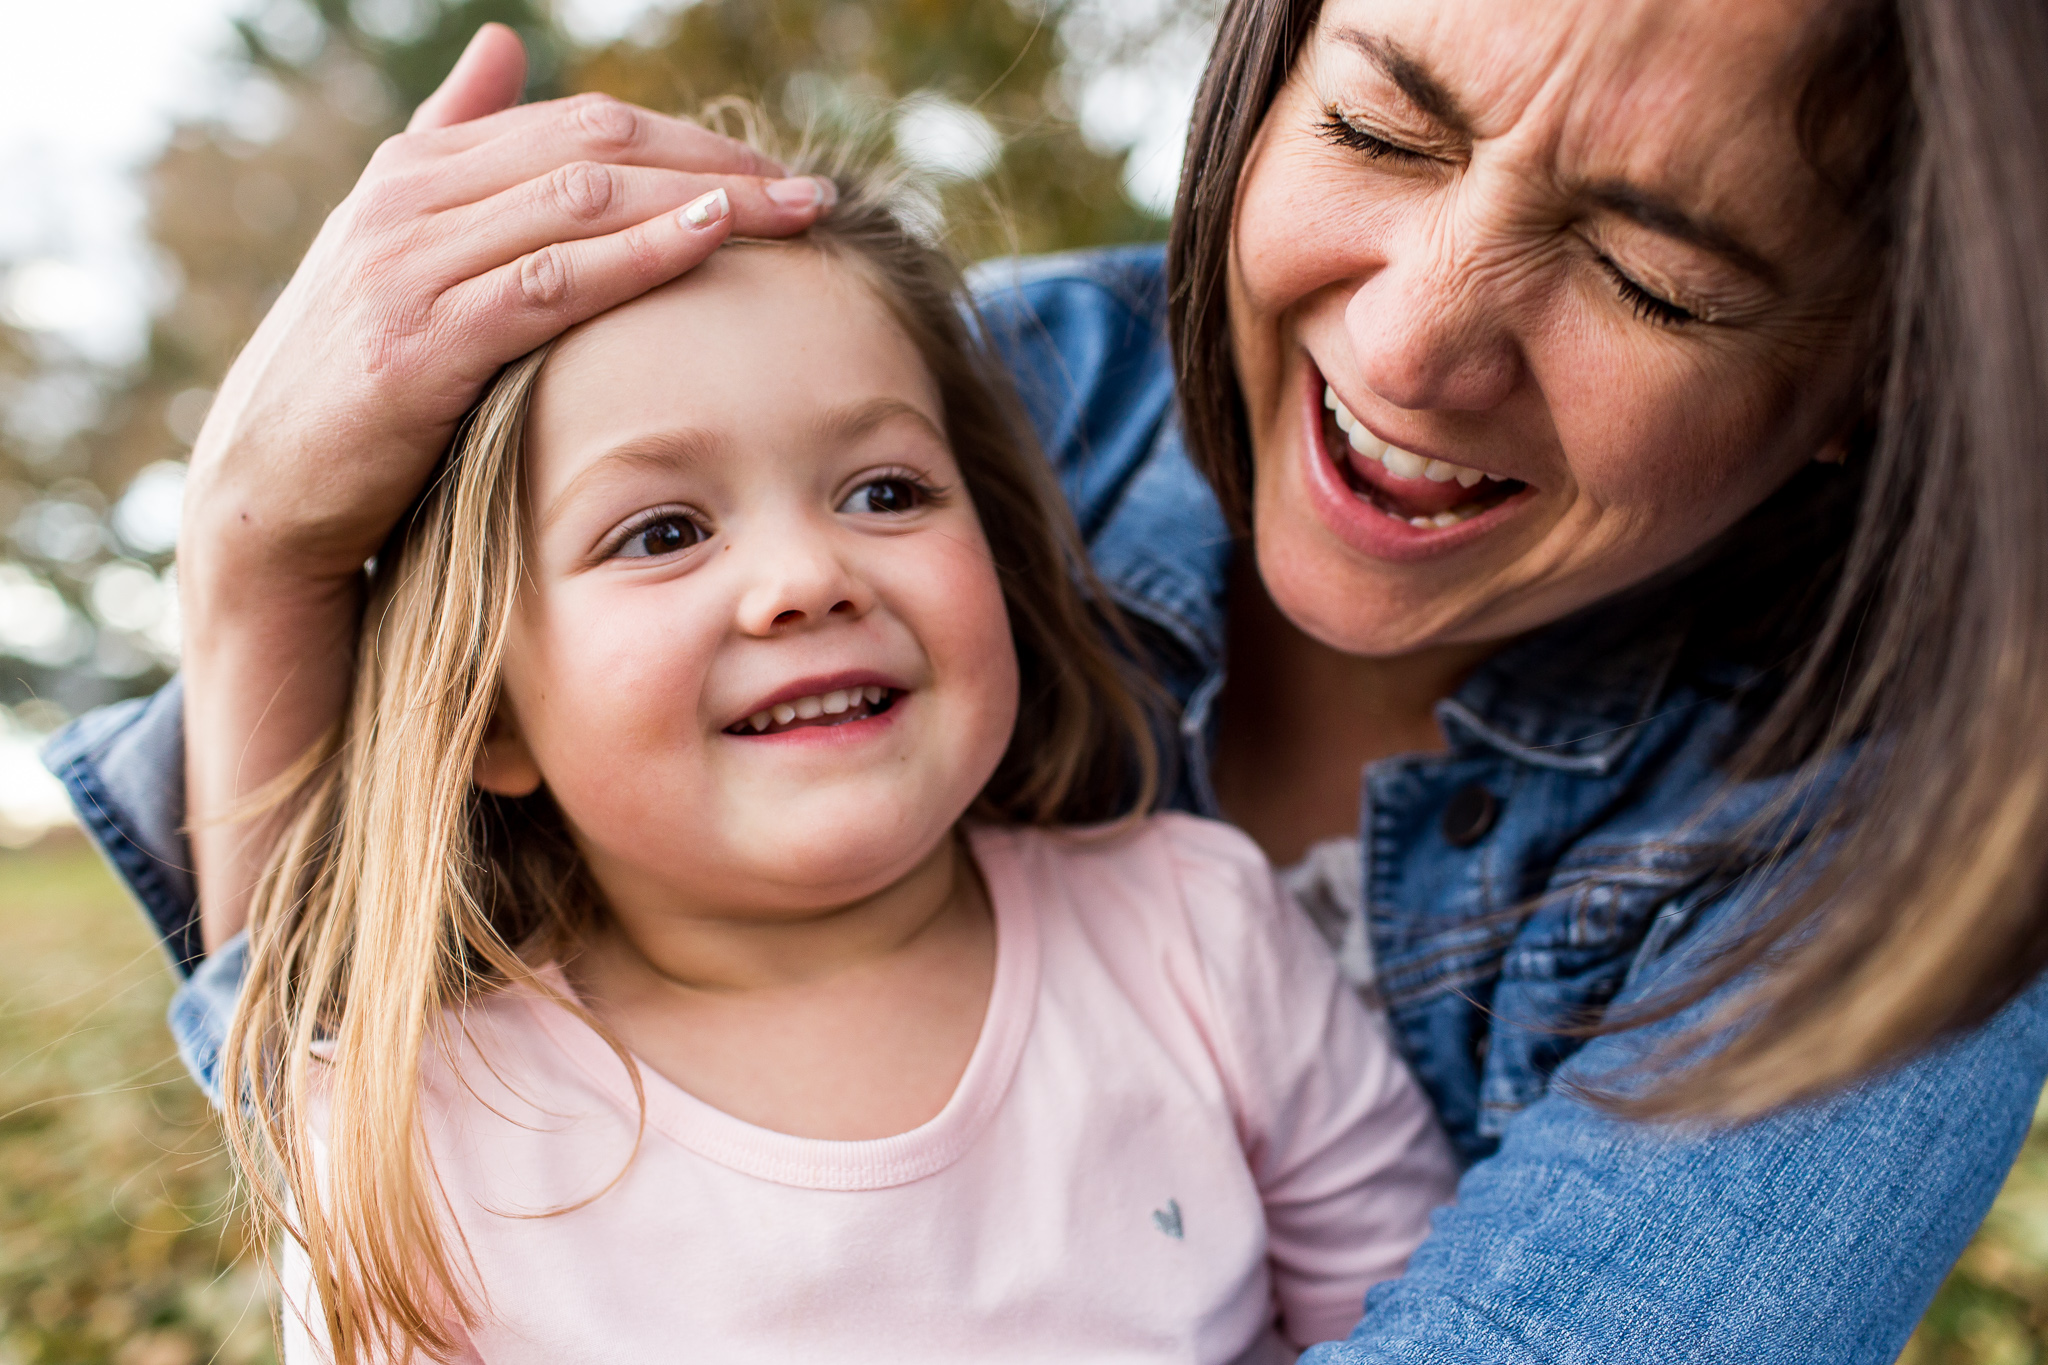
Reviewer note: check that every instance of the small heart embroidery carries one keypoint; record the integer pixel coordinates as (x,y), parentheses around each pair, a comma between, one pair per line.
(1167,1220)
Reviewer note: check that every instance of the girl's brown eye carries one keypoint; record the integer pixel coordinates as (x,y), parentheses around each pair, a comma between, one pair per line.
(889,496)
(662,536)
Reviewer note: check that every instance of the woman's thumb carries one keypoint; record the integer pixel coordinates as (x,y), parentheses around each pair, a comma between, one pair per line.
(488,76)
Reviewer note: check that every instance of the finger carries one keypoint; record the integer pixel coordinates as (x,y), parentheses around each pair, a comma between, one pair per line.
(539,296)
(488,76)
(587,199)
(493,153)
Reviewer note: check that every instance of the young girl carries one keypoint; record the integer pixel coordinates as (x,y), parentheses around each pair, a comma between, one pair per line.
(680,957)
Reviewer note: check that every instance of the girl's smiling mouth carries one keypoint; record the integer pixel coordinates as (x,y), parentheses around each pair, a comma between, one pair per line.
(818,704)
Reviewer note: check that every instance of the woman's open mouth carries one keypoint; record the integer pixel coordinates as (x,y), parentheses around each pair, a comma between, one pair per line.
(840,706)
(1426,494)
(1389,503)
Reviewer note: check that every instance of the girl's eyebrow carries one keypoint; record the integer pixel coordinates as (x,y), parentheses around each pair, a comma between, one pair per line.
(668,451)
(855,420)
(654,452)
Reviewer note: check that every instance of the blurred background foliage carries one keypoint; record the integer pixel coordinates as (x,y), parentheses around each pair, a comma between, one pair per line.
(1036,124)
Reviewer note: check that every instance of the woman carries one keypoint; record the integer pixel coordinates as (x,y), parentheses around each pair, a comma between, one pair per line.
(1636,408)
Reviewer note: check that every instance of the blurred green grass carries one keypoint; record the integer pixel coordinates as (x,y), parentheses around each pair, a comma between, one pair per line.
(116,1242)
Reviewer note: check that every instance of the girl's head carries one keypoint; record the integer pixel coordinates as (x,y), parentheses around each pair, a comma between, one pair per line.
(736,599)
(779,485)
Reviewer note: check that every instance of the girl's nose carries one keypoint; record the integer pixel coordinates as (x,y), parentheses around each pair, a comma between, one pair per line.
(799,585)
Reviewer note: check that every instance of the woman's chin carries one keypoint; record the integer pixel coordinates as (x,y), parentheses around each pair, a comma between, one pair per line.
(1353,605)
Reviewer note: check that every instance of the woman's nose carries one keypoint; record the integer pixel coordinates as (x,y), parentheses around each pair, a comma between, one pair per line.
(798,585)
(1432,330)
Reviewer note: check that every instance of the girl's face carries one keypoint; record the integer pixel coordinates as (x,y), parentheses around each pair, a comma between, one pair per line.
(762,663)
(1569,277)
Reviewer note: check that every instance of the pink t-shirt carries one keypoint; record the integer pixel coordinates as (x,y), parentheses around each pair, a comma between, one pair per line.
(1178,1127)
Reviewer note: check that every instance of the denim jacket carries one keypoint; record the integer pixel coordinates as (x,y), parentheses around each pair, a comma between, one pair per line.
(1546,865)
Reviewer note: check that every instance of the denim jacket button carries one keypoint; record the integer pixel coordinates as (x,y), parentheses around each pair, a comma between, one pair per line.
(1471,816)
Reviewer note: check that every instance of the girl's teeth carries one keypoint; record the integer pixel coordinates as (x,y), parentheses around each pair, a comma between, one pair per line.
(840,703)
(1400,463)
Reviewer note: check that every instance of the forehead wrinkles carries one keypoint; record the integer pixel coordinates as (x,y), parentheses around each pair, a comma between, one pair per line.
(1680,97)
(1661,93)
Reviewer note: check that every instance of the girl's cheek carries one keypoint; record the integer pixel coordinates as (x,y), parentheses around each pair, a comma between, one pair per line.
(989,649)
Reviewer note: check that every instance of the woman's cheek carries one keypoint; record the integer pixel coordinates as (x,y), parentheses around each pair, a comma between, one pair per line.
(1683,459)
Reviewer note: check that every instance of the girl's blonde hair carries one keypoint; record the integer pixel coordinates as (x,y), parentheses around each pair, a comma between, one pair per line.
(399,890)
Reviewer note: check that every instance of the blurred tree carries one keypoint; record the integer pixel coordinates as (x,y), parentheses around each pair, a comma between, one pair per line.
(91,461)
(992,120)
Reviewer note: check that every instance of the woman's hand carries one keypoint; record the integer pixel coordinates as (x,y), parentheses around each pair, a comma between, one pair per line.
(474,236)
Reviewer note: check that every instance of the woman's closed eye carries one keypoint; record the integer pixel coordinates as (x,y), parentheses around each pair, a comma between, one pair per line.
(664,531)
(890,495)
(1339,129)
(1646,305)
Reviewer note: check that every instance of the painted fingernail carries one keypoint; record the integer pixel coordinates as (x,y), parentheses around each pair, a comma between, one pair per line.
(803,191)
(707,209)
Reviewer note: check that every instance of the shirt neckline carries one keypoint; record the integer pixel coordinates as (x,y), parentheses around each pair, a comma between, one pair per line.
(826,1163)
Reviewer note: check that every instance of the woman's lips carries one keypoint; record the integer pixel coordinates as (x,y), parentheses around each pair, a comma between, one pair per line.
(1388,502)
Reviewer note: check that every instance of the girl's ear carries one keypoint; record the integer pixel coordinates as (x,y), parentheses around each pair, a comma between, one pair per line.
(505,766)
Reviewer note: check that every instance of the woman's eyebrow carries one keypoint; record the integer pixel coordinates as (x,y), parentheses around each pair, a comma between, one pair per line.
(656,452)
(1410,77)
(1640,206)
(1660,215)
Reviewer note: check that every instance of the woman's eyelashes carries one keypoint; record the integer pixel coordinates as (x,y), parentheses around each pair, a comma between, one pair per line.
(1646,305)
(1342,130)
(664,531)
(1337,128)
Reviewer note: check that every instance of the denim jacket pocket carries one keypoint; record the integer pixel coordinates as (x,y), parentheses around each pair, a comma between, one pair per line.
(1607,910)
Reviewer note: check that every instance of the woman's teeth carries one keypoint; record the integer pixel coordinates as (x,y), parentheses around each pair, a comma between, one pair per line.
(862,700)
(1400,463)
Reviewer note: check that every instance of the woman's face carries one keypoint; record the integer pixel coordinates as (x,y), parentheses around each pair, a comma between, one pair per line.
(1529,302)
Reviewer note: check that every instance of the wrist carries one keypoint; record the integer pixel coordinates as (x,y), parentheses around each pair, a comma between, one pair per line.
(236,557)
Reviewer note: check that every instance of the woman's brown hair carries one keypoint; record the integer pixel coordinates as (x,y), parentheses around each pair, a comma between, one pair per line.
(1911,597)
(400,891)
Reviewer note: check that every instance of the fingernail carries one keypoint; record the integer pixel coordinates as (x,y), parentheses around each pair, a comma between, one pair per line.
(803,191)
(707,209)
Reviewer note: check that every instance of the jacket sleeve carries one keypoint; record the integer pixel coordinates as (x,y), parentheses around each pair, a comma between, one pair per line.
(1819,1234)
(124,769)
